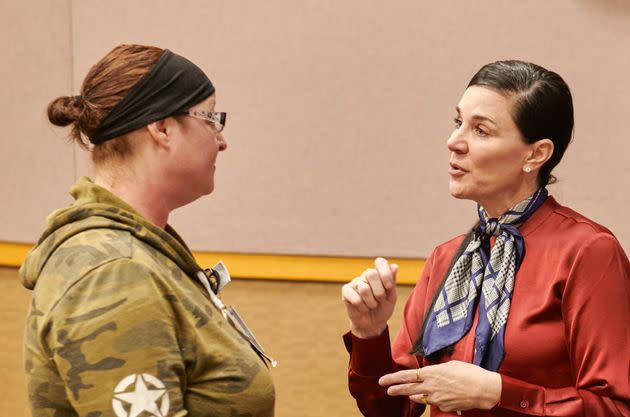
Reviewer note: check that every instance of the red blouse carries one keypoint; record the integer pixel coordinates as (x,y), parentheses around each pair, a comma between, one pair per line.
(567,339)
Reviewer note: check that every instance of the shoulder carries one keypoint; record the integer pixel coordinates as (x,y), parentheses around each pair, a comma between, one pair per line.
(571,229)
(101,248)
(581,223)
(97,262)
(565,243)
(122,284)
(93,247)
(66,263)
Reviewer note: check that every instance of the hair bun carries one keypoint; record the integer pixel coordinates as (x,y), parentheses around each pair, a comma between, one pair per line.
(64,110)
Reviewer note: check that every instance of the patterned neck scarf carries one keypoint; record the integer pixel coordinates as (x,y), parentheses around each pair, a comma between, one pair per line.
(490,273)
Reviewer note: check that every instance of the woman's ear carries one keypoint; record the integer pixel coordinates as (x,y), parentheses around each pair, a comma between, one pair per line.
(159,133)
(540,152)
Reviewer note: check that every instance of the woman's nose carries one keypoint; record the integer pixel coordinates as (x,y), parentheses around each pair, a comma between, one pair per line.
(222,142)
(457,141)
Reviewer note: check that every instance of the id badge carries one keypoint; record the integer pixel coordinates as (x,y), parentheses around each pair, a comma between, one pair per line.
(223,275)
(220,272)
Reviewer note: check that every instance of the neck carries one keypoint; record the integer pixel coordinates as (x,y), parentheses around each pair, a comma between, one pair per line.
(139,194)
(497,206)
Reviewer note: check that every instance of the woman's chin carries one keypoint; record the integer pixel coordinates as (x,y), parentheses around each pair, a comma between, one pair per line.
(457,192)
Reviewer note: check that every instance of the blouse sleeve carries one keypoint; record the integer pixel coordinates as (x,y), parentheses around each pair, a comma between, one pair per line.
(372,358)
(596,313)
(116,349)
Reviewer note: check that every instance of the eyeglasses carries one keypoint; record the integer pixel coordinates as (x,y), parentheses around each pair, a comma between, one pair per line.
(215,119)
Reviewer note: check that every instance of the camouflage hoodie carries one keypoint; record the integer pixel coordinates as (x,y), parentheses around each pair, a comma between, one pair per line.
(119,325)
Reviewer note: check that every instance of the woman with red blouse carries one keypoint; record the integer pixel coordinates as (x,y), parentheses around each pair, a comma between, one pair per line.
(528,314)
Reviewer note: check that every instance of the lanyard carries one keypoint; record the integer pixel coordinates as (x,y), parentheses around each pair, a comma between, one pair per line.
(229,313)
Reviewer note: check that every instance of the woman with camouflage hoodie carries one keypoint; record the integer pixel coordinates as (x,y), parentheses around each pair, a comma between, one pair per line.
(123,321)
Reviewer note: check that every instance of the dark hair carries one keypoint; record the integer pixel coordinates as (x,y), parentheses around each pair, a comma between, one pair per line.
(106,84)
(543,107)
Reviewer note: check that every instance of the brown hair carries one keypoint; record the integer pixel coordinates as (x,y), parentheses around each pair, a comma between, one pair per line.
(105,85)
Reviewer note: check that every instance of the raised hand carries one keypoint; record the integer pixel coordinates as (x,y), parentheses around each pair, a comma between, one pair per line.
(370,299)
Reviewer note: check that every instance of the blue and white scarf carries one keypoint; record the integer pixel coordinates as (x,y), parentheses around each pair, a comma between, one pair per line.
(481,271)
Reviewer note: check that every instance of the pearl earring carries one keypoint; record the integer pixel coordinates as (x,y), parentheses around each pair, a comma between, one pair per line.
(527,169)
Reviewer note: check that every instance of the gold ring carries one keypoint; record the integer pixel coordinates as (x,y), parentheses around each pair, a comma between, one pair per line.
(418,375)
(425,399)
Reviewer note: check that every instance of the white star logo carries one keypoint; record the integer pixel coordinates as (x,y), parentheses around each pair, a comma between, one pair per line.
(141,398)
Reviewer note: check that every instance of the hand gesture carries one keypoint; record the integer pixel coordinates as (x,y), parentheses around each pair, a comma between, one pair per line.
(370,299)
(451,386)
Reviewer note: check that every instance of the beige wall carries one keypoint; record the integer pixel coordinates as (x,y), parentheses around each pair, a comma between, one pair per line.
(339,111)
(36,165)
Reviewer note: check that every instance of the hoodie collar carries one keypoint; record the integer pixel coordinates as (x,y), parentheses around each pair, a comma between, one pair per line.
(95,208)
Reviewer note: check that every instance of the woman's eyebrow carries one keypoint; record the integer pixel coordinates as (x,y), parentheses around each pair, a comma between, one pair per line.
(483,118)
(478,117)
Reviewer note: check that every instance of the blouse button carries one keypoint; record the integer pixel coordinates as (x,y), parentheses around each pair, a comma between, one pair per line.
(524,404)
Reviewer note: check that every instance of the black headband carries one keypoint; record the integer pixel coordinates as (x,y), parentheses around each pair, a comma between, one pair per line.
(173,85)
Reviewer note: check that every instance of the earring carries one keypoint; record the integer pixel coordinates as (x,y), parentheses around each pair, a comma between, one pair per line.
(527,169)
